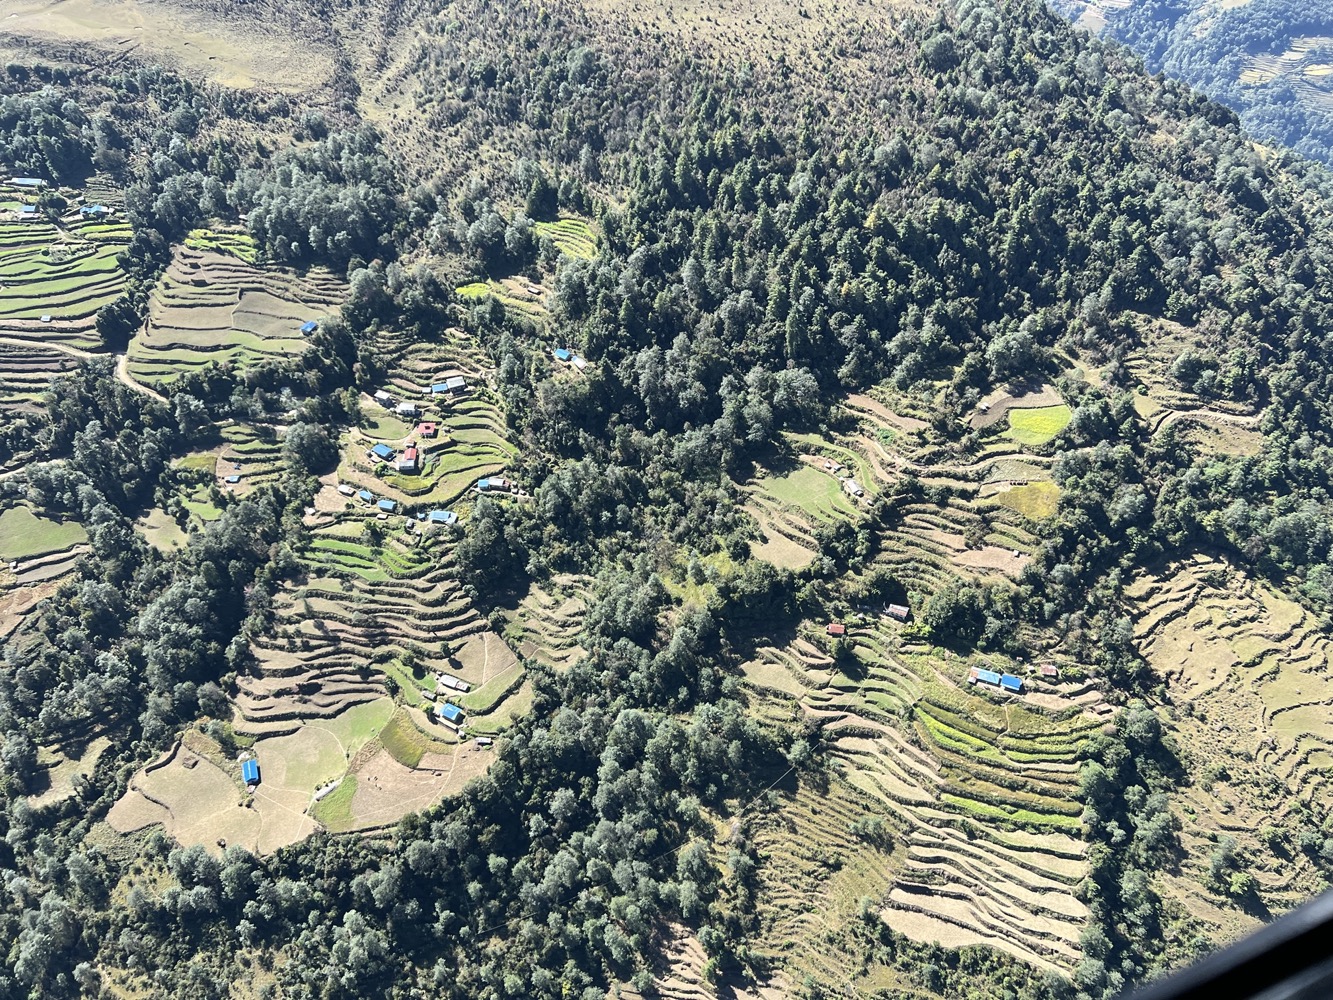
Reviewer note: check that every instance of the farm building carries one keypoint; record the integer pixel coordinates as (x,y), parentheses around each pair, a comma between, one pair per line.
(836,628)
(442,517)
(346,490)
(365,496)
(454,683)
(578,362)
(308,328)
(382,451)
(233,479)
(27,182)
(563,354)
(388,505)
(94,211)
(406,409)
(250,771)
(1049,670)
(455,384)
(407,462)
(383,398)
(484,741)
(493,484)
(899,611)
(28,211)
(427,430)
(1011,683)
(852,488)
(449,712)
(985,676)
(438,389)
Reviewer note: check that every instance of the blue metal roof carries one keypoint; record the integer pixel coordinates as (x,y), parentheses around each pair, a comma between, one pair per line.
(451,713)
(1011,683)
(250,771)
(365,495)
(438,388)
(387,505)
(310,327)
(443,516)
(382,450)
(562,354)
(483,484)
(989,676)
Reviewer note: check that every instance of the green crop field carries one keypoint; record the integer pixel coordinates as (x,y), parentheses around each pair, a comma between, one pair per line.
(24,534)
(571,236)
(239,245)
(1038,425)
(1034,501)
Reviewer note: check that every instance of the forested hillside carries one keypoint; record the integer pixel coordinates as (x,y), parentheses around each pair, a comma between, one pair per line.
(1269,60)
(857,478)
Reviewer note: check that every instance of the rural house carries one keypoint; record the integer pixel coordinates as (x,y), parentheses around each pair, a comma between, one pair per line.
(985,676)
(836,628)
(442,517)
(389,506)
(455,385)
(1011,683)
(427,430)
(308,328)
(383,398)
(382,451)
(899,611)
(438,389)
(346,490)
(407,408)
(94,211)
(1049,671)
(365,496)
(407,462)
(27,182)
(250,771)
(563,354)
(852,488)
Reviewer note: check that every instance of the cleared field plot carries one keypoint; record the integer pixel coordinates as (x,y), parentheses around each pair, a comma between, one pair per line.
(26,371)
(809,490)
(979,789)
(1038,425)
(54,278)
(61,769)
(213,306)
(160,531)
(1248,670)
(24,534)
(239,245)
(571,236)
(519,296)
(1034,501)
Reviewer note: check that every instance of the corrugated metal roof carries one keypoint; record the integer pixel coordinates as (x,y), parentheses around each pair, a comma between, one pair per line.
(989,676)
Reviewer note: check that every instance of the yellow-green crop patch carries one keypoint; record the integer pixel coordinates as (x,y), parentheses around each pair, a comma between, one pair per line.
(1034,501)
(1038,425)
(239,245)
(474,290)
(24,534)
(570,236)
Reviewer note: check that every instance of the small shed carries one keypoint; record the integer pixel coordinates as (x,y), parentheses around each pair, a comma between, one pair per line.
(382,451)
(899,611)
(562,354)
(442,517)
(346,490)
(250,771)
(835,628)
(449,712)
(989,677)
(427,430)
(308,328)
(578,362)
(388,505)
(365,496)
(852,488)
(233,479)
(972,675)
(1010,682)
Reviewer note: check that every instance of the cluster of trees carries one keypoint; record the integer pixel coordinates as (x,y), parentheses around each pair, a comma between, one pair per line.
(45,134)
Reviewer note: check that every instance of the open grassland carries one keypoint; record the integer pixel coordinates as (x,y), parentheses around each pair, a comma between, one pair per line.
(979,790)
(1038,425)
(213,306)
(64,271)
(1248,673)
(573,237)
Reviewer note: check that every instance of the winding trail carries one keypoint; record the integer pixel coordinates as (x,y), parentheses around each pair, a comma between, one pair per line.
(122,362)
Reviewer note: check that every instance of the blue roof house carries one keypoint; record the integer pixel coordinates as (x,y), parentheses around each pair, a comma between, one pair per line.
(309,328)
(439,389)
(382,451)
(389,505)
(250,771)
(449,713)
(988,676)
(1011,683)
(443,517)
(94,211)
(365,496)
(562,354)
(29,209)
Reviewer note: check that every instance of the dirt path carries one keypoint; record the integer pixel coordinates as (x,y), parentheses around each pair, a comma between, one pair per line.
(122,363)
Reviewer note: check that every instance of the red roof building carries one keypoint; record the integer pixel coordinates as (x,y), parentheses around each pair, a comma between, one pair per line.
(836,628)
(427,430)
(1047,670)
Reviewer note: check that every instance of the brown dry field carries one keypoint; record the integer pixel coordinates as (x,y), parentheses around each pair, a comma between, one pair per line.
(386,790)
(224,48)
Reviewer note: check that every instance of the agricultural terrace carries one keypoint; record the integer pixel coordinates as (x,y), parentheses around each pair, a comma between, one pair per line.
(572,237)
(522,298)
(238,245)
(54,276)
(979,788)
(35,554)
(212,305)
(26,370)
(1037,425)
(546,623)
(1248,673)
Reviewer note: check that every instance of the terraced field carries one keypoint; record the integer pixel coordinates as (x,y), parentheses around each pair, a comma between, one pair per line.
(545,625)
(26,370)
(36,553)
(977,789)
(1248,675)
(55,276)
(522,298)
(571,236)
(212,305)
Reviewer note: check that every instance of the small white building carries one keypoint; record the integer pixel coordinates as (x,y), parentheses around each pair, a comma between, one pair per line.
(383,398)
(852,488)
